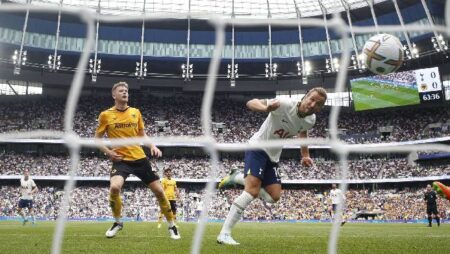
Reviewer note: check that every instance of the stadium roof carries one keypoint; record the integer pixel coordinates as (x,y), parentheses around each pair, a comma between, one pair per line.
(242,8)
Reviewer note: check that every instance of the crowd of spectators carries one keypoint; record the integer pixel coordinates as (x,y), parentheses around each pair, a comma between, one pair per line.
(407,125)
(407,77)
(199,167)
(183,119)
(299,204)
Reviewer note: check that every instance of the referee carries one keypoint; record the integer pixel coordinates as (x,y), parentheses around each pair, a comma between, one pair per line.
(430,198)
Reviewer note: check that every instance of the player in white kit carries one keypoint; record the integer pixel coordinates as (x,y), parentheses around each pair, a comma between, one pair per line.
(335,196)
(287,118)
(198,208)
(28,189)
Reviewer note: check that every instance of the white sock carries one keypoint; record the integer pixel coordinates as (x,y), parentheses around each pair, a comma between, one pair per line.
(117,219)
(32,218)
(236,210)
(265,196)
(171,223)
(239,178)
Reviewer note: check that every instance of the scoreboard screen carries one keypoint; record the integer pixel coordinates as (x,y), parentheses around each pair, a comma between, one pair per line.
(397,89)
(429,85)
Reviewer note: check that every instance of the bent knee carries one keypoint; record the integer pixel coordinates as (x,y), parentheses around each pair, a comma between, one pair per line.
(159,194)
(276,198)
(115,189)
(158,191)
(252,191)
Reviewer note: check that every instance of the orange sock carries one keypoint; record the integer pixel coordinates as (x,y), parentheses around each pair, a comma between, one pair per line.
(166,210)
(160,217)
(115,202)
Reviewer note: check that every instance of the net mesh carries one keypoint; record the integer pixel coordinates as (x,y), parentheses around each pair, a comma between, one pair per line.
(342,149)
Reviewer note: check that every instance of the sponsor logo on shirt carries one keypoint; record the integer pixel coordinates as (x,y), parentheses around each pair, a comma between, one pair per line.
(125,125)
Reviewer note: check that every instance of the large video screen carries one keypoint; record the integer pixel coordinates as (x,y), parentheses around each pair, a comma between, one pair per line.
(396,89)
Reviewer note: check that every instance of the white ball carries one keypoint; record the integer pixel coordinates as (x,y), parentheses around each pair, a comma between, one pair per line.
(383,53)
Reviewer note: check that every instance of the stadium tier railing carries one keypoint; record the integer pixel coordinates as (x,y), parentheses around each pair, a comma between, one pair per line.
(200,145)
(205,180)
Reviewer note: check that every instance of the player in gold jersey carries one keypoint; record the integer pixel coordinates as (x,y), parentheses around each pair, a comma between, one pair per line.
(123,121)
(171,191)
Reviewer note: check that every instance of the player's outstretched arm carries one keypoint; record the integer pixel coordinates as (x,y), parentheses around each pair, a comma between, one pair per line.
(304,152)
(267,106)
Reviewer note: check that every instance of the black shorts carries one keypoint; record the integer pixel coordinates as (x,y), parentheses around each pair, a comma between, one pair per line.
(173,206)
(140,168)
(25,203)
(334,207)
(432,210)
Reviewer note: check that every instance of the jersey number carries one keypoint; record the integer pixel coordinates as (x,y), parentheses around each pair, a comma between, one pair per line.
(277,172)
(281,133)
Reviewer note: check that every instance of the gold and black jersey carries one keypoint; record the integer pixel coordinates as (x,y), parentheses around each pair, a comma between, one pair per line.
(169,187)
(122,124)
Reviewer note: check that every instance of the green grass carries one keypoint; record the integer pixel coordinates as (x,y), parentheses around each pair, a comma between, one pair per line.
(369,95)
(88,237)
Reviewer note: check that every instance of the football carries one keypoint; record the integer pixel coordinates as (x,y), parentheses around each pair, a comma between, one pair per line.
(383,54)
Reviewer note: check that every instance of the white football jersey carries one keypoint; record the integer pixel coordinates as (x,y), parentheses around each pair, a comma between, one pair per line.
(199,205)
(282,123)
(26,187)
(334,195)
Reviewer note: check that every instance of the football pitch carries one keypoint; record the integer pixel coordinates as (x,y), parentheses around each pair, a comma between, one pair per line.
(370,95)
(145,237)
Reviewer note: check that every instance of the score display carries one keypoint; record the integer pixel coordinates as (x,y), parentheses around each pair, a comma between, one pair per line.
(397,89)
(429,85)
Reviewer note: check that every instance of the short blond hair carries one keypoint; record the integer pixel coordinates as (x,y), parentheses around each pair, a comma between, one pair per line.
(116,85)
(320,90)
